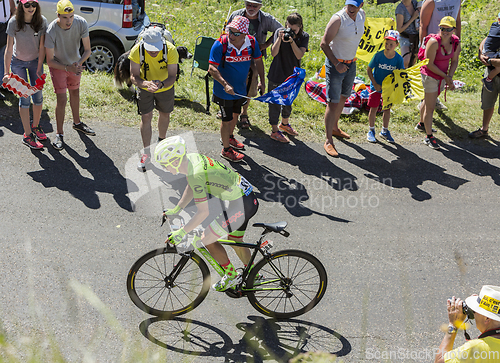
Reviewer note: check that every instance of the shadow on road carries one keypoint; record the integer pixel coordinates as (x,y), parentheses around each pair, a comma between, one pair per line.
(63,174)
(408,171)
(263,339)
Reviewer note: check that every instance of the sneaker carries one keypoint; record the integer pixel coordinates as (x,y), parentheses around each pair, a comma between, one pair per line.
(2,97)
(235,144)
(440,105)
(232,155)
(488,86)
(39,134)
(431,142)
(227,282)
(31,142)
(84,129)
(478,134)
(370,136)
(278,136)
(288,129)
(421,127)
(58,142)
(387,135)
(145,159)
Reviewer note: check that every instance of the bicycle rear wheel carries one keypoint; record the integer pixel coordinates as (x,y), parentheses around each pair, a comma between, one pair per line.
(166,284)
(289,284)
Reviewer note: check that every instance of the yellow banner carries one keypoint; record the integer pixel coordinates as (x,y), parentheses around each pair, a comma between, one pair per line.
(403,85)
(373,38)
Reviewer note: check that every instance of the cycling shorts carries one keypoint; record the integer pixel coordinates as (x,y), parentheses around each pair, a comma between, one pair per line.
(234,217)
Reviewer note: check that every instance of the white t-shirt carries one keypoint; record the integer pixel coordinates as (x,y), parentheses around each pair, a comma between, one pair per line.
(4,15)
(346,42)
(442,8)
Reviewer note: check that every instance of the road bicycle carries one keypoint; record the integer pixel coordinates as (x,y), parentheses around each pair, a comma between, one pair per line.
(174,280)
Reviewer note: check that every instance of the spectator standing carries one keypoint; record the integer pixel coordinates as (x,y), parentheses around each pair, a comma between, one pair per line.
(340,43)
(7,9)
(287,52)
(25,54)
(407,13)
(229,63)
(443,52)
(486,310)
(381,65)
(488,99)
(154,79)
(492,50)
(430,15)
(261,23)
(62,49)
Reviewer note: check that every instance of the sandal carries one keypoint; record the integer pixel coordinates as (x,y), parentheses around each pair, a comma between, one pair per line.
(478,134)
(244,122)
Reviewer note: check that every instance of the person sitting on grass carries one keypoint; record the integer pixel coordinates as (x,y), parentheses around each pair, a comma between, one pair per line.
(382,64)
(492,50)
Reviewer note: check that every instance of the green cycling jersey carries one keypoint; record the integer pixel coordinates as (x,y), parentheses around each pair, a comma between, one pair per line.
(207,176)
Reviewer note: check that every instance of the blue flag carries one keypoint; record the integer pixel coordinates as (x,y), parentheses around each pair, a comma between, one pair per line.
(286,92)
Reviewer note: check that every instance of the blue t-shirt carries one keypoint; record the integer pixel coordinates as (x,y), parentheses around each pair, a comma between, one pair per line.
(236,66)
(492,43)
(382,66)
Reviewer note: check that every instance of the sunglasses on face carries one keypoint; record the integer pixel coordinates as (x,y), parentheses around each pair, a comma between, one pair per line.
(236,34)
(250,5)
(447,30)
(31,4)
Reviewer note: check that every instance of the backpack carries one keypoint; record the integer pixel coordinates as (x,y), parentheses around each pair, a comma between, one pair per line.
(421,51)
(224,41)
(166,37)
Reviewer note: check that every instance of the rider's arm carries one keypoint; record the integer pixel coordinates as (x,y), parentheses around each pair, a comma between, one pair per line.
(201,214)
(187,196)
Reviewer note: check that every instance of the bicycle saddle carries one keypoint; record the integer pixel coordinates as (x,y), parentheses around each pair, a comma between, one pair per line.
(275,227)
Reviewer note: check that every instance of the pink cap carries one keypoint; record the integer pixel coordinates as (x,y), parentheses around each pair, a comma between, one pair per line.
(27,1)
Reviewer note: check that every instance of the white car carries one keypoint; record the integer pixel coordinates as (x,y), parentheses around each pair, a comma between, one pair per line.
(113,26)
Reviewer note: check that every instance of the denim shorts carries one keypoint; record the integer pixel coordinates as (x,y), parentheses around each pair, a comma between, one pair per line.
(339,84)
(22,69)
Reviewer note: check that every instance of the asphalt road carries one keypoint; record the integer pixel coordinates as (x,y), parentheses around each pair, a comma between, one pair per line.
(399,228)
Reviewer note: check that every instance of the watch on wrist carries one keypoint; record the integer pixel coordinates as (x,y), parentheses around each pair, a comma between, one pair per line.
(452,329)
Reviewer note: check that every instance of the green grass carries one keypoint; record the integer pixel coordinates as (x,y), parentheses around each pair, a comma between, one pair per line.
(102,101)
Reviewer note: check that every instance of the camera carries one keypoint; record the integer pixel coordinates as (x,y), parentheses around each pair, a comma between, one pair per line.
(467,311)
(288,33)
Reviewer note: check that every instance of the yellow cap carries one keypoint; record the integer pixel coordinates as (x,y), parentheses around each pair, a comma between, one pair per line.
(448,21)
(65,7)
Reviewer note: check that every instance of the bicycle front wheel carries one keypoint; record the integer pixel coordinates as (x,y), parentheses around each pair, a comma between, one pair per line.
(165,284)
(286,284)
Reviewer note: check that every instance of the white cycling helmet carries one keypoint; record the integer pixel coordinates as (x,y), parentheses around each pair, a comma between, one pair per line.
(169,150)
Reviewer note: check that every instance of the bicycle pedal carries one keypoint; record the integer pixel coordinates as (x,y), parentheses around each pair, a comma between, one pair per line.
(234,293)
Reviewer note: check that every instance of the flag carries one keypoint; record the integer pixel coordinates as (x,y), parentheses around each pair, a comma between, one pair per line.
(373,37)
(403,85)
(286,92)
(22,88)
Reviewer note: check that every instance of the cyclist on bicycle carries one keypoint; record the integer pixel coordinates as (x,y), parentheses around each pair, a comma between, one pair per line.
(207,178)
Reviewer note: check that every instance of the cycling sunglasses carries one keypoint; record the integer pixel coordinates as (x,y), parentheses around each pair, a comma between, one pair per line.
(250,5)
(236,34)
(447,30)
(30,4)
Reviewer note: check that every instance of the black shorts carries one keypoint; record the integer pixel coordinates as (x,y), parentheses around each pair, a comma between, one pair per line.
(234,217)
(228,107)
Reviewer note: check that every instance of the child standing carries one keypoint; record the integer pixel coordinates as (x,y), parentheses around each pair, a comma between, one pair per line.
(24,55)
(381,65)
(492,50)
(287,51)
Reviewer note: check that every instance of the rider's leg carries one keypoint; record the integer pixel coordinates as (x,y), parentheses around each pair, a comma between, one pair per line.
(243,253)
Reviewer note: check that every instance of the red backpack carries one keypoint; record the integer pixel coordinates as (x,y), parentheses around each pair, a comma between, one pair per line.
(421,51)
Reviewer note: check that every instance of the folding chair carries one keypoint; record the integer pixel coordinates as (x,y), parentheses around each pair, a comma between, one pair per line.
(202,49)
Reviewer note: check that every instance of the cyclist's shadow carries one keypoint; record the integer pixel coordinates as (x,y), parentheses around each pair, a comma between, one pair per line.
(264,339)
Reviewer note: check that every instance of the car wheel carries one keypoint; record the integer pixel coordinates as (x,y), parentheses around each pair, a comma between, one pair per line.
(103,56)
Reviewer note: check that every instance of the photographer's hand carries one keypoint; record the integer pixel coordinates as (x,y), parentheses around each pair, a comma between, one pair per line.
(456,315)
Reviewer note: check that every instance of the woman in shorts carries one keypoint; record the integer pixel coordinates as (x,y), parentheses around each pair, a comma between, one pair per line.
(24,55)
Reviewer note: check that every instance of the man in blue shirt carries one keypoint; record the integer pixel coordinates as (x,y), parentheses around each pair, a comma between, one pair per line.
(229,63)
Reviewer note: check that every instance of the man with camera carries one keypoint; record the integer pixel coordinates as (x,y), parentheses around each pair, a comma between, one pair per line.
(485,309)
(260,24)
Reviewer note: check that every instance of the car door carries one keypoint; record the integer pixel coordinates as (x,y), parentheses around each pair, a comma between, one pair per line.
(87,9)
